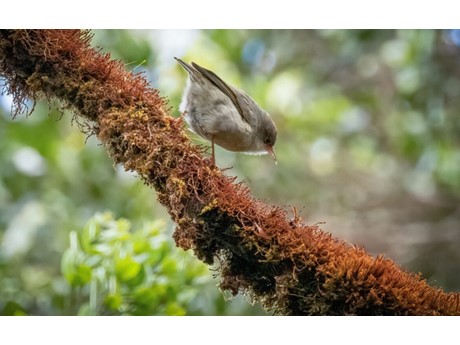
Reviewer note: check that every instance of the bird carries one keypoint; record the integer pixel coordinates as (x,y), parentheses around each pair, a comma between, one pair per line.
(224,114)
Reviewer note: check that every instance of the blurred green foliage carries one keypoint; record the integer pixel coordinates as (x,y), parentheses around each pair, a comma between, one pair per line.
(369,142)
(118,271)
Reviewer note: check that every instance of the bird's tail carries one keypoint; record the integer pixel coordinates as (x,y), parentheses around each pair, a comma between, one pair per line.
(191,71)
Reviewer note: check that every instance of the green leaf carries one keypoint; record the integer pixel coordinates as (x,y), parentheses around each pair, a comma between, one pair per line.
(113,301)
(168,266)
(88,237)
(76,272)
(12,308)
(127,268)
(174,309)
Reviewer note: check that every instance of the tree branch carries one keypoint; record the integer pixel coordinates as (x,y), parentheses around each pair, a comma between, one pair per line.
(288,266)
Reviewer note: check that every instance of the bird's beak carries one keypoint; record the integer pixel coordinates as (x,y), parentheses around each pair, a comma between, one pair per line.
(271,151)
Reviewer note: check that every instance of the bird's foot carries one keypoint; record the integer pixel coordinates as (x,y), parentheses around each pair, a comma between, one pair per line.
(213,157)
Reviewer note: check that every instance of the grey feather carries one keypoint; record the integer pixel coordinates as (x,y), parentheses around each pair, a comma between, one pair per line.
(222,85)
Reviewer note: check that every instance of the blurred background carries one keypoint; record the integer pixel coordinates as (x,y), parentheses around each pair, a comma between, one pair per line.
(368,143)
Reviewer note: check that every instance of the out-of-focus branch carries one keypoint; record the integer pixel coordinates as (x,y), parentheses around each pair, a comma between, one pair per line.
(288,266)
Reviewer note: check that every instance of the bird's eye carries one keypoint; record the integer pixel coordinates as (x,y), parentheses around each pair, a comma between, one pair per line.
(267,141)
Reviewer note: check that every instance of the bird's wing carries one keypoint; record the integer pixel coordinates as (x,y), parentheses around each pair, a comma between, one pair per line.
(222,86)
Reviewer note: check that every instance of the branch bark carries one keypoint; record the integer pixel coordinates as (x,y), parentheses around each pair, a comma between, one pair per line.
(288,266)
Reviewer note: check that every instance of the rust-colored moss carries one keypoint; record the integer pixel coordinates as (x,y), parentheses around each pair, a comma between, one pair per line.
(288,266)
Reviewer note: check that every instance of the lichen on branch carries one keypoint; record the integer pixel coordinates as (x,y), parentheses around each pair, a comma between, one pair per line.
(288,266)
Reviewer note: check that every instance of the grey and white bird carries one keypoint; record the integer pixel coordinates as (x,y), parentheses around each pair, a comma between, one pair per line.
(225,115)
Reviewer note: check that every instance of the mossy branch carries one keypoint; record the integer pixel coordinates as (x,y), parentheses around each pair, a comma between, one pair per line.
(288,266)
